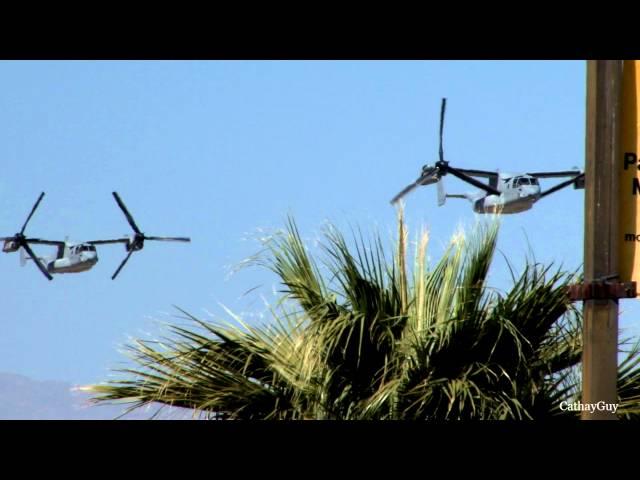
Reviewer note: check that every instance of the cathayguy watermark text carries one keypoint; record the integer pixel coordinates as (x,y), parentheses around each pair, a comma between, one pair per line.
(601,406)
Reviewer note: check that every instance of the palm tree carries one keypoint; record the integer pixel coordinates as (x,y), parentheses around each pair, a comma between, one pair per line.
(364,336)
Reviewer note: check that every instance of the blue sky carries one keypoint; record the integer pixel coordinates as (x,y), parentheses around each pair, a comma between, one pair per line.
(223,151)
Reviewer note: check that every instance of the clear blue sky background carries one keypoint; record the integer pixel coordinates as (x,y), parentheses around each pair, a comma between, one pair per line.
(222,151)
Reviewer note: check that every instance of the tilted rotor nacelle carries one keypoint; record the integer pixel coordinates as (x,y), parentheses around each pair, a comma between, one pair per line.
(10,246)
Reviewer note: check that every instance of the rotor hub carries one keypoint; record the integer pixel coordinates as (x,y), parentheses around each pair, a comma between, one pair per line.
(137,243)
(442,165)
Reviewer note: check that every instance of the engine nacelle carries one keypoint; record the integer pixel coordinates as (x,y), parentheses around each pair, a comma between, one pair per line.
(10,246)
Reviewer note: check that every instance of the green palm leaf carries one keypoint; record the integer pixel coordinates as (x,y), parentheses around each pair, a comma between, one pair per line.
(379,337)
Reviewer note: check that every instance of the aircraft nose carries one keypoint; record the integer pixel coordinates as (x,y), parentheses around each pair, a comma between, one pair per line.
(530,191)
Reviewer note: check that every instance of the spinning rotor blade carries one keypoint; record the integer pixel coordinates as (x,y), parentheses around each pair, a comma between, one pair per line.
(169,239)
(442,110)
(426,179)
(560,186)
(126,259)
(36,261)
(126,213)
(471,180)
(32,212)
(429,175)
(457,173)
(406,190)
(40,241)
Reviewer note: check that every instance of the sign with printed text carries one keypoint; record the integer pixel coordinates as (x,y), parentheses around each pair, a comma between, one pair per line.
(629,165)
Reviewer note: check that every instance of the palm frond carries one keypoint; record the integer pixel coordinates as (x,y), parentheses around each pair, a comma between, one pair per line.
(361,334)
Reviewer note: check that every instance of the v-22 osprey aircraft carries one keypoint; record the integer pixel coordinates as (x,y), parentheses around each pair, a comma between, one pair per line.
(505,192)
(76,257)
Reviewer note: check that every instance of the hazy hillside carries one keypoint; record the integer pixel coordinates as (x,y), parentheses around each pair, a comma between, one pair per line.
(22,398)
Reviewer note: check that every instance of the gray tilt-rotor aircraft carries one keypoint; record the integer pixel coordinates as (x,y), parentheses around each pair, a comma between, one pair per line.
(76,257)
(505,192)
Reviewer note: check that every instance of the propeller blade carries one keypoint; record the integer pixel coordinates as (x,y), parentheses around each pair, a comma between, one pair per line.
(126,259)
(41,241)
(442,110)
(126,213)
(32,212)
(426,179)
(169,239)
(471,180)
(37,261)
(404,191)
(560,186)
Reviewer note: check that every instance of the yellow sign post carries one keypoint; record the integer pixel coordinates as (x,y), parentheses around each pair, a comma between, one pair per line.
(612,223)
(629,175)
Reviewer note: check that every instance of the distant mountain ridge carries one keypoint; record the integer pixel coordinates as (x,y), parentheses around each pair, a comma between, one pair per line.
(22,398)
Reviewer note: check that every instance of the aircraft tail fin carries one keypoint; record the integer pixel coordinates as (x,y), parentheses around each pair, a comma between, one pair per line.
(442,195)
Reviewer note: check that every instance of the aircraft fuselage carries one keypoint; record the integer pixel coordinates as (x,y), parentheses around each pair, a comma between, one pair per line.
(517,194)
(70,258)
(73,258)
(72,264)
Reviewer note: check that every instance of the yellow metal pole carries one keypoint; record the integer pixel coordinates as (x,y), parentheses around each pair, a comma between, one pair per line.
(628,174)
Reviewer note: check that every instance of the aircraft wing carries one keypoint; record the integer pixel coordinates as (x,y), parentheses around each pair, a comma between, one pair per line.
(40,241)
(559,174)
(103,242)
(577,182)
(478,173)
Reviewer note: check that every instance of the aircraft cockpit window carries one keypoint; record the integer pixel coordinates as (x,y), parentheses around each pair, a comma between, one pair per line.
(534,181)
(522,181)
